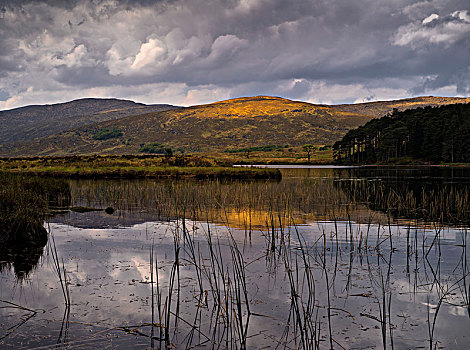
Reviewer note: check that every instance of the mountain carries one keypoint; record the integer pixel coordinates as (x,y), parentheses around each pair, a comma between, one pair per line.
(381,108)
(26,123)
(235,123)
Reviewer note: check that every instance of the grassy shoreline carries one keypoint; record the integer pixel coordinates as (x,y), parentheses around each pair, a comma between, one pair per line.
(155,172)
(130,167)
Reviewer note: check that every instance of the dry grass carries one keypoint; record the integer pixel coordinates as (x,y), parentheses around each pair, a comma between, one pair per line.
(236,123)
(145,166)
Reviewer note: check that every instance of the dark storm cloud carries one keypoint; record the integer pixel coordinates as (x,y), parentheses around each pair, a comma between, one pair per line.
(195,50)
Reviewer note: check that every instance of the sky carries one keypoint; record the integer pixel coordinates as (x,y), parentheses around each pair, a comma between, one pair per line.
(187,52)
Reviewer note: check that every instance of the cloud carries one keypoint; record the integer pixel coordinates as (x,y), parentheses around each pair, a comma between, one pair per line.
(215,49)
(435,30)
(430,18)
(77,57)
(225,48)
(149,53)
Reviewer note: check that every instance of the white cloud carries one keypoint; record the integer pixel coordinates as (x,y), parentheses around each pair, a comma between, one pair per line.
(12,102)
(205,95)
(430,18)
(434,30)
(324,93)
(77,57)
(149,53)
(116,62)
(462,15)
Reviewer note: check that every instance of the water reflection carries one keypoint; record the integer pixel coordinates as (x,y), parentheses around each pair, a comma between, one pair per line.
(109,274)
(24,203)
(309,262)
(379,194)
(22,259)
(427,194)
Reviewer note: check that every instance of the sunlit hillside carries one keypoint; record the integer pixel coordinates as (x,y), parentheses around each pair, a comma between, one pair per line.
(219,126)
(259,105)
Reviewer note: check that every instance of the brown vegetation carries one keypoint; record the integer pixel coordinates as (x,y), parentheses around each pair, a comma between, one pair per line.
(236,123)
(129,166)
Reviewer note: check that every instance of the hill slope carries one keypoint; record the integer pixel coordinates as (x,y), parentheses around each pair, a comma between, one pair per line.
(381,108)
(236,123)
(26,123)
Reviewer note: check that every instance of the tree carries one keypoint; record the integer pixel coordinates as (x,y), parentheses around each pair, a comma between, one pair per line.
(309,149)
(153,147)
(168,152)
(433,134)
(247,152)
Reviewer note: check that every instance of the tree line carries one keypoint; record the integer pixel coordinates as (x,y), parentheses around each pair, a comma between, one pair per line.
(435,134)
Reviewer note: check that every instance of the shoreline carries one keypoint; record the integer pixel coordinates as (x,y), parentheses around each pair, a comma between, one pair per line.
(88,171)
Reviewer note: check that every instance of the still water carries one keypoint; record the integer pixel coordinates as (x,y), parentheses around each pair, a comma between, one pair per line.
(343,258)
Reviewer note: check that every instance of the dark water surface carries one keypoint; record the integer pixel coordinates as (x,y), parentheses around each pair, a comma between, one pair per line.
(343,258)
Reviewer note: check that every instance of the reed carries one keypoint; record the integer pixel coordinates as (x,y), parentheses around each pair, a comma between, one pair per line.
(315,236)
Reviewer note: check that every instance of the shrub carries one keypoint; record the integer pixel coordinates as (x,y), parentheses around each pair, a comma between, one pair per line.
(155,148)
(23,206)
(105,134)
(199,162)
(177,160)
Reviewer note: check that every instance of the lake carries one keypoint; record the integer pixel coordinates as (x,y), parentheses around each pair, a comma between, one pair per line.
(327,257)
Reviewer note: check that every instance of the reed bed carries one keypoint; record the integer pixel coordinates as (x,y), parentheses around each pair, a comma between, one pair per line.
(316,275)
(307,200)
(331,248)
(24,205)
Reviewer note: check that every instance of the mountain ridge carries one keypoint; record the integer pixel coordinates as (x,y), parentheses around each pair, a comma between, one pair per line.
(384,107)
(29,122)
(221,125)
(84,99)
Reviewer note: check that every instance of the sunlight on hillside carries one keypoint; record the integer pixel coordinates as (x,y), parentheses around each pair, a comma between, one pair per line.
(226,125)
(259,105)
